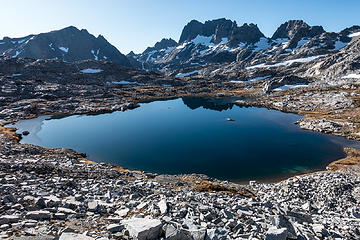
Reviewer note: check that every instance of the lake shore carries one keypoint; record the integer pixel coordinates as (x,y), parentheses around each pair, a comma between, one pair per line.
(155,121)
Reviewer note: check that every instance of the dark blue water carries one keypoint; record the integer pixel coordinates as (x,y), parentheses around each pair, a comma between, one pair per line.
(192,136)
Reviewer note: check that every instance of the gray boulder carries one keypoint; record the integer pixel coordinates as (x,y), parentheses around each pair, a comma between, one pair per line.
(276,234)
(143,228)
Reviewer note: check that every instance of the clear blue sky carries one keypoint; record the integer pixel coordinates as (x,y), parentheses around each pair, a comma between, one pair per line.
(136,24)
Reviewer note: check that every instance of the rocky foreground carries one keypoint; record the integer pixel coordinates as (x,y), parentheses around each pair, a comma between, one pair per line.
(58,194)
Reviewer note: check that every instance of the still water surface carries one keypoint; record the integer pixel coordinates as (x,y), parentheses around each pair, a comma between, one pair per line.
(191,135)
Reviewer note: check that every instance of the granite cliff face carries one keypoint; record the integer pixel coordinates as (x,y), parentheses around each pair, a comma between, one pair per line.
(295,30)
(202,43)
(219,29)
(69,44)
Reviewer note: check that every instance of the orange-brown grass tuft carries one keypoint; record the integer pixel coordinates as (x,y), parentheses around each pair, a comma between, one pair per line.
(205,186)
(352,159)
(10,133)
(124,170)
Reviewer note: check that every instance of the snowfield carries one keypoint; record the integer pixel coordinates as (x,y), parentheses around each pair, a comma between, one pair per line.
(96,55)
(259,78)
(339,45)
(187,74)
(286,63)
(91,70)
(17,54)
(16,74)
(64,49)
(22,40)
(357,34)
(51,46)
(123,82)
(285,87)
(353,75)
(262,44)
(202,40)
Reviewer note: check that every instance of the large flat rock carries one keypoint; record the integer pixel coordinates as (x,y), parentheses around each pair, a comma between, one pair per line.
(143,228)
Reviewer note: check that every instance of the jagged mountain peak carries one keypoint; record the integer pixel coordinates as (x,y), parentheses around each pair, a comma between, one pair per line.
(221,29)
(295,30)
(346,34)
(292,28)
(194,28)
(131,54)
(71,28)
(247,33)
(67,30)
(165,43)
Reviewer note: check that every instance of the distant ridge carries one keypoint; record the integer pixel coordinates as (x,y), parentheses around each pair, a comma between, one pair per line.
(69,44)
(223,41)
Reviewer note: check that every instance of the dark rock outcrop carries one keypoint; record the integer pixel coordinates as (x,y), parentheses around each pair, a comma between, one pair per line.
(221,28)
(247,33)
(163,44)
(295,30)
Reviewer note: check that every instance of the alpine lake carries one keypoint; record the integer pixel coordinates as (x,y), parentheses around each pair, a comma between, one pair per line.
(192,135)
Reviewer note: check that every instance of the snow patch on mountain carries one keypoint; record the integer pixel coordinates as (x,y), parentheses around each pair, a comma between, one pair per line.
(259,78)
(238,48)
(186,74)
(285,87)
(91,70)
(262,44)
(16,54)
(302,42)
(123,82)
(22,40)
(357,34)
(220,47)
(64,49)
(51,46)
(286,63)
(16,74)
(150,58)
(96,55)
(203,40)
(352,75)
(281,40)
(167,50)
(32,38)
(181,46)
(339,45)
